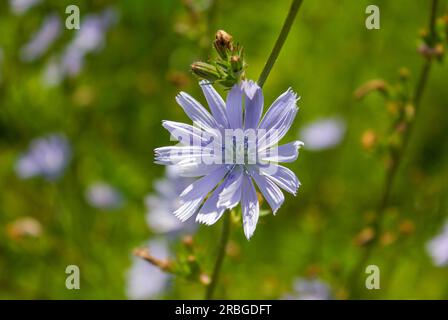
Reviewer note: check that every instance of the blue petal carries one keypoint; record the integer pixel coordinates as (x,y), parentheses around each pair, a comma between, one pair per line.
(250,207)
(185,133)
(284,153)
(278,130)
(193,195)
(231,194)
(283,104)
(215,102)
(234,107)
(283,177)
(210,211)
(175,154)
(253,106)
(269,189)
(196,111)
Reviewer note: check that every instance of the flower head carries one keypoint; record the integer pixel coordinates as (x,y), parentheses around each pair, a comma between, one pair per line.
(49,31)
(19,7)
(438,248)
(313,289)
(165,201)
(323,134)
(47,156)
(233,149)
(104,196)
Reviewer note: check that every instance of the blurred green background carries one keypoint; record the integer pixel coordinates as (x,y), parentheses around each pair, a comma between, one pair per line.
(111,115)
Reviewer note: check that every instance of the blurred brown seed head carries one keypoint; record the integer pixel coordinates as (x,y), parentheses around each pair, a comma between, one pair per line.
(368,140)
(204,279)
(233,249)
(365,236)
(24,227)
(406,227)
(188,241)
(179,79)
(388,238)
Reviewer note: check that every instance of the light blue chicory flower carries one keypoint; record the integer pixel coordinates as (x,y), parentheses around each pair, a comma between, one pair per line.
(21,6)
(438,248)
(309,289)
(323,134)
(165,201)
(42,39)
(91,37)
(103,196)
(47,156)
(230,149)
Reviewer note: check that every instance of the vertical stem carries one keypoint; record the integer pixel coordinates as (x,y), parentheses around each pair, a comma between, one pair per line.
(295,6)
(396,160)
(220,258)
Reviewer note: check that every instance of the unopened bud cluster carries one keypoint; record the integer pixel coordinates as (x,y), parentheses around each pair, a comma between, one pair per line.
(432,45)
(228,67)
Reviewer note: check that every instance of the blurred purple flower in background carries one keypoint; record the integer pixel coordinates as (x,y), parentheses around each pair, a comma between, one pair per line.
(21,6)
(42,39)
(47,157)
(161,205)
(103,196)
(145,281)
(438,248)
(233,181)
(309,289)
(323,134)
(89,38)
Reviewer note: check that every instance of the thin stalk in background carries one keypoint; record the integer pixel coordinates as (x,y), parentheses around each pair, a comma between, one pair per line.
(396,161)
(295,6)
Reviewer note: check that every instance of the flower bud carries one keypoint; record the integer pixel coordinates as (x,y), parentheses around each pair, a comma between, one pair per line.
(237,64)
(223,43)
(205,71)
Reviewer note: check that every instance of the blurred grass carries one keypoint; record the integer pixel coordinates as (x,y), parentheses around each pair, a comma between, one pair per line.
(112,111)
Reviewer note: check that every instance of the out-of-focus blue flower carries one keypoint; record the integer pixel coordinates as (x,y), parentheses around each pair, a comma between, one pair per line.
(42,39)
(21,6)
(104,196)
(229,149)
(323,134)
(47,157)
(161,205)
(438,248)
(309,289)
(89,38)
(145,281)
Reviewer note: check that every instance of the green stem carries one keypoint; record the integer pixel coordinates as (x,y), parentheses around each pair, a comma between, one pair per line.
(295,6)
(220,258)
(396,161)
